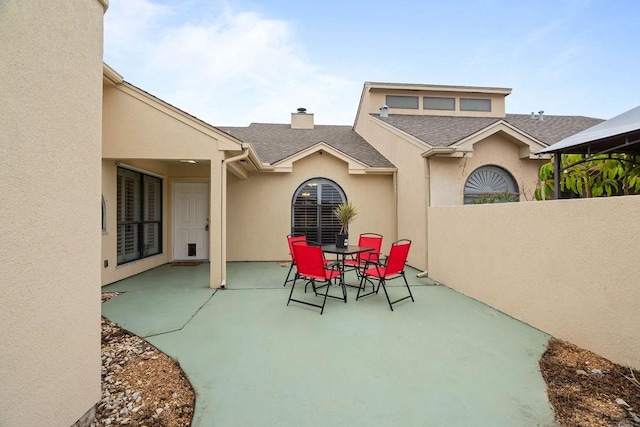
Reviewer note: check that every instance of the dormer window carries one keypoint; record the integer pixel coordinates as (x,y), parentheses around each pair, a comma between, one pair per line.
(475,104)
(406,102)
(438,103)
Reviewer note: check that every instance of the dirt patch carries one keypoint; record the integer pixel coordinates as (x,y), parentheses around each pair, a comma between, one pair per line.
(588,390)
(141,386)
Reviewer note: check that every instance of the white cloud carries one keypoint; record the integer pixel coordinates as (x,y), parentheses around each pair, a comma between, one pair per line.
(225,67)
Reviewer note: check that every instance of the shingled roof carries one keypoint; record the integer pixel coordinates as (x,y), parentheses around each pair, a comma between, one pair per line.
(275,142)
(443,131)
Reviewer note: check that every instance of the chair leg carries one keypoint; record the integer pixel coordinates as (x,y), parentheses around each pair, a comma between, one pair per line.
(401,299)
(292,287)
(409,289)
(384,288)
(288,274)
(326,293)
(363,286)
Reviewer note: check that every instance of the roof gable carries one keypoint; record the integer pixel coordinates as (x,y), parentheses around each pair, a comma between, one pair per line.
(277,144)
(446,135)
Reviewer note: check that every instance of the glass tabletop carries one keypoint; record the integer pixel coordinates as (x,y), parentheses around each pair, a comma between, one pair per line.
(349,250)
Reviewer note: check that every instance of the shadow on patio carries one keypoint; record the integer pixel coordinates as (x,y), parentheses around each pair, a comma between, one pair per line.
(444,360)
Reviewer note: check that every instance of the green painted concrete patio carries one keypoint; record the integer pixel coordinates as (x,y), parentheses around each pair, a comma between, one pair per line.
(445,360)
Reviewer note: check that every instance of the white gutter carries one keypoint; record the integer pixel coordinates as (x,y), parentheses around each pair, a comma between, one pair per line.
(223,230)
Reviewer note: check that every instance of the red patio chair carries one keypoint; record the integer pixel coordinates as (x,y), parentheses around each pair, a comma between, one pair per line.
(313,268)
(373,240)
(291,238)
(390,268)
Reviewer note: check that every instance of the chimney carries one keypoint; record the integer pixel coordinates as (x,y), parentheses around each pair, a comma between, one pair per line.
(384,111)
(301,119)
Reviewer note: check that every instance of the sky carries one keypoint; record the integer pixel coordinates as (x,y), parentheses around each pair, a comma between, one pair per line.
(234,62)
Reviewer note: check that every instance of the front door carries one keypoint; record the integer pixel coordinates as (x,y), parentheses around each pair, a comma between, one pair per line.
(191,221)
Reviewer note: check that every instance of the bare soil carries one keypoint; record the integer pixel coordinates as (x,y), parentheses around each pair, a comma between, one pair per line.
(141,386)
(588,390)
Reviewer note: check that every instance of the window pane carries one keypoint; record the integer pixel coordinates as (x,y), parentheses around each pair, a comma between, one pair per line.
(395,101)
(139,215)
(153,199)
(151,239)
(435,103)
(474,104)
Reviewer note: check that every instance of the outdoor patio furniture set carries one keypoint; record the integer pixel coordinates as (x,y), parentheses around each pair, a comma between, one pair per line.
(311,265)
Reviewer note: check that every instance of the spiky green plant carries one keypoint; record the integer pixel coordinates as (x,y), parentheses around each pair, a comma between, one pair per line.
(345,213)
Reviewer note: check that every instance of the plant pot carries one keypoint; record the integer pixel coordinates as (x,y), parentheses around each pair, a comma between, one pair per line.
(342,241)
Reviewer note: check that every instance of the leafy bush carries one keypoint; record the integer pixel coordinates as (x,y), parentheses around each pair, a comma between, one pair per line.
(502,197)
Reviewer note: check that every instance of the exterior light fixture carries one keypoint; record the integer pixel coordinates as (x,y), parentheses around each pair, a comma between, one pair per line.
(188,161)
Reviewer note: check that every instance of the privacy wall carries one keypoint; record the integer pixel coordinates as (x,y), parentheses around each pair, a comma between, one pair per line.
(567,267)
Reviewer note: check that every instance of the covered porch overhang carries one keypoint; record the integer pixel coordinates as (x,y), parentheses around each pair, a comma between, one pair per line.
(620,134)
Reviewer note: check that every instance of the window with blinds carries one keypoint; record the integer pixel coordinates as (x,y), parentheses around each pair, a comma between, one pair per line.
(490,184)
(312,210)
(139,215)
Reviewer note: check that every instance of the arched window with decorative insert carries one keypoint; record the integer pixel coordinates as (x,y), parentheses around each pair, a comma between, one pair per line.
(312,210)
(490,184)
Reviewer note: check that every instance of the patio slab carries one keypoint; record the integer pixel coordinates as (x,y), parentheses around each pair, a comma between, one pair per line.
(444,360)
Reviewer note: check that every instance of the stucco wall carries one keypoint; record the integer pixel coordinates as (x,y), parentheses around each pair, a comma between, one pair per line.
(378,98)
(141,132)
(259,209)
(50,131)
(567,267)
(449,175)
(412,190)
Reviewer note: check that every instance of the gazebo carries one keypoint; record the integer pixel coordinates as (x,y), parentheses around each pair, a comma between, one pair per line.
(620,134)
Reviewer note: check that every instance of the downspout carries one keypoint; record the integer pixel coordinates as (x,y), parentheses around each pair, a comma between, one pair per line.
(223,216)
(427,181)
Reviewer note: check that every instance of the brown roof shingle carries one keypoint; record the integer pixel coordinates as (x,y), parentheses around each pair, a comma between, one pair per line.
(274,142)
(443,131)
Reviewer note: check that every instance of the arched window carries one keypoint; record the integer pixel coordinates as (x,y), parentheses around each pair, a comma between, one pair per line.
(312,210)
(489,184)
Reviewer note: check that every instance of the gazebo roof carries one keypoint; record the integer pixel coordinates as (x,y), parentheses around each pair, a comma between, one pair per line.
(620,134)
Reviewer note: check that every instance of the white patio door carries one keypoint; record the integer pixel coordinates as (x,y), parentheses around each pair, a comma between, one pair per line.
(191,221)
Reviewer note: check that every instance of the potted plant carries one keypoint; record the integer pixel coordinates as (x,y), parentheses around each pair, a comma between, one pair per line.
(345,213)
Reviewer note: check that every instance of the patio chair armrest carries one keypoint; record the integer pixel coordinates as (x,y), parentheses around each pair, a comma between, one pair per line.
(369,263)
(334,265)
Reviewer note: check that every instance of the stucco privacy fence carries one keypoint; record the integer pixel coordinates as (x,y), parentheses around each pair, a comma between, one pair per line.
(567,267)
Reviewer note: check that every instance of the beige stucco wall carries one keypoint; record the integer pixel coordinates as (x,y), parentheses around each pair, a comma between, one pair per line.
(141,132)
(411,181)
(50,131)
(567,267)
(171,174)
(259,209)
(449,175)
(378,98)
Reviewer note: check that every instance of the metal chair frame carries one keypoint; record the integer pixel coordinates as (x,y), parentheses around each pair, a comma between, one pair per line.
(313,268)
(392,267)
(291,238)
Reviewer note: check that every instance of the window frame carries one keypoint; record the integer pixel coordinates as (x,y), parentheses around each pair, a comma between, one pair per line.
(439,98)
(389,101)
(144,220)
(320,226)
(474,104)
(469,196)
